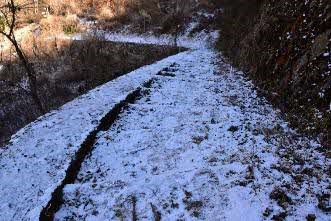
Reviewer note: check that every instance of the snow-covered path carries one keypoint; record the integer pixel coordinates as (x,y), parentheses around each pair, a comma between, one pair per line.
(198,145)
(42,155)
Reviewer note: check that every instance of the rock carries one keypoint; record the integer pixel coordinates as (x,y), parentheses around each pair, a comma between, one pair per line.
(320,44)
(311,217)
(300,64)
(323,202)
(233,129)
(267,212)
(279,217)
(280,197)
(328,17)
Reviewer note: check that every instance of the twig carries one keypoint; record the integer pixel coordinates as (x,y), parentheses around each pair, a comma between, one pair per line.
(156,213)
(134,212)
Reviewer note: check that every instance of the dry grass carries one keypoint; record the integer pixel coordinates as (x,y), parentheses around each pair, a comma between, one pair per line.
(55,25)
(65,69)
(52,25)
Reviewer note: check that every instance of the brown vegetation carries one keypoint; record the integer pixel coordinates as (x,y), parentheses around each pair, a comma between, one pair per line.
(9,14)
(284,47)
(65,69)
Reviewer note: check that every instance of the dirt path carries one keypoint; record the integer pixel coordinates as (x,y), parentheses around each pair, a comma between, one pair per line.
(198,145)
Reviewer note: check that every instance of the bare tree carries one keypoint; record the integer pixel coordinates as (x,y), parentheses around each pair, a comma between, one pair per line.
(8,21)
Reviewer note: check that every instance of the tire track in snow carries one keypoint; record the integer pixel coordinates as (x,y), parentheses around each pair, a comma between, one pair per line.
(86,148)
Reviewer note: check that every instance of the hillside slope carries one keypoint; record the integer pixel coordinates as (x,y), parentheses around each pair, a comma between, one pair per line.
(284,46)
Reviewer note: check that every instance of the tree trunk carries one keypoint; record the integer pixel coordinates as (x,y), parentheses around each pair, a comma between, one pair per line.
(31,75)
(36,6)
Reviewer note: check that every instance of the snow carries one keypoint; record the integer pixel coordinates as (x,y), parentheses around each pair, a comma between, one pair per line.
(201,40)
(34,164)
(199,145)
(173,149)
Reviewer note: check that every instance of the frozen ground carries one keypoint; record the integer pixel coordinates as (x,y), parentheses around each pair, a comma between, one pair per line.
(37,159)
(198,145)
(200,40)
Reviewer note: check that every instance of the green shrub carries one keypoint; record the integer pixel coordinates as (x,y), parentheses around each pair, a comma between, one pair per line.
(70,29)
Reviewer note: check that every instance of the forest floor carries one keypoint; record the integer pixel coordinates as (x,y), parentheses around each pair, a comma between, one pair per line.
(186,138)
